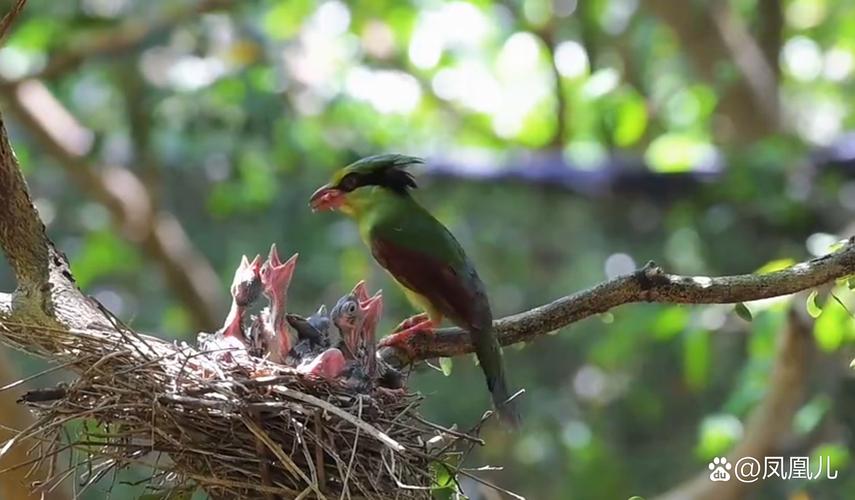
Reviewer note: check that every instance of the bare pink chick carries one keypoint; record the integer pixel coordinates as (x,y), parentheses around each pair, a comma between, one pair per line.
(275,278)
(328,364)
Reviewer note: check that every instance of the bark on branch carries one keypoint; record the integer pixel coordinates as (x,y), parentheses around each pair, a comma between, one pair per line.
(649,284)
(21,230)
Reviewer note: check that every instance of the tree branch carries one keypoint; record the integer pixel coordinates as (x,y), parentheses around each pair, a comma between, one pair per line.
(710,34)
(649,284)
(21,231)
(757,70)
(10,17)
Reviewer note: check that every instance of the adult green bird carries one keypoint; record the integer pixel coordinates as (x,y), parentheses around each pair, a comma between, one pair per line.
(422,256)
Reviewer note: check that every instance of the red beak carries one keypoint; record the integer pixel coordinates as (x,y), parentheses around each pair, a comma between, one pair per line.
(326,198)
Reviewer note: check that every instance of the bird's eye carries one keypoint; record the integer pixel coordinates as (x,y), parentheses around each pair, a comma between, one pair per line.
(349,183)
(350,308)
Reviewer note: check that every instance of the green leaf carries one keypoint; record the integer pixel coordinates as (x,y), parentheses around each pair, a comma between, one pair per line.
(446,364)
(834,457)
(631,120)
(775,265)
(284,19)
(810,415)
(696,359)
(813,308)
(830,327)
(444,486)
(717,434)
(670,322)
(677,152)
(36,34)
(837,245)
(743,312)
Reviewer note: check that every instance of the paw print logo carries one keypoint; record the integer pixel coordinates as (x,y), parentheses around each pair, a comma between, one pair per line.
(719,468)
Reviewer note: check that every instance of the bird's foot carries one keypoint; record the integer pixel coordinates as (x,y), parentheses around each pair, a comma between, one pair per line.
(406,338)
(329,365)
(411,322)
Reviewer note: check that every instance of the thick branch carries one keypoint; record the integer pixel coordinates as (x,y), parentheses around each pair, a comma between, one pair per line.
(22,233)
(649,284)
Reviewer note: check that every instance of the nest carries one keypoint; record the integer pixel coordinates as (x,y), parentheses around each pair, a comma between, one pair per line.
(218,418)
(239,429)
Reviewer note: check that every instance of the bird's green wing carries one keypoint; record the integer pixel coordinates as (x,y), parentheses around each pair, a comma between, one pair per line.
(425,258)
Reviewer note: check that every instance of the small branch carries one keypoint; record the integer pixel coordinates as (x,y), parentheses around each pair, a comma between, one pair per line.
(9,18)
(760,76)
(649,284)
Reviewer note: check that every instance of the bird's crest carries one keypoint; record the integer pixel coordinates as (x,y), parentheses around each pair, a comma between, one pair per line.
(387,170)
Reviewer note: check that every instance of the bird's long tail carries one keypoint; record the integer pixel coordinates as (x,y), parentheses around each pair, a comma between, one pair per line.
(489,354)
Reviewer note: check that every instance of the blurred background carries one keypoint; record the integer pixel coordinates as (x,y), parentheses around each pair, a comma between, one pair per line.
(568,141)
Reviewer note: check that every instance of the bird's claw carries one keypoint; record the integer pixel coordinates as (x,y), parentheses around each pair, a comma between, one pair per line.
(411,322)
(404,339)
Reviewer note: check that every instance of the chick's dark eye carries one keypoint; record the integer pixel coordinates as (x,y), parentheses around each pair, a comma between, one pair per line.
(350,308)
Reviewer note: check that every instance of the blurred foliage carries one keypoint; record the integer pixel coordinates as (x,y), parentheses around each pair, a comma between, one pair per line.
(235,116)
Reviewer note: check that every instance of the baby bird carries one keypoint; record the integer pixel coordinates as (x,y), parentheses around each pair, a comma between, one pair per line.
(245,289)
(274,332)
